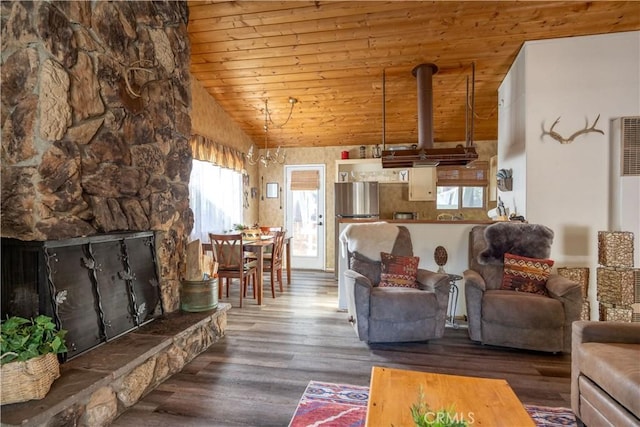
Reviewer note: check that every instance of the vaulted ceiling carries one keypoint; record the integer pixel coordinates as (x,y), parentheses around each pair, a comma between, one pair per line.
(332,56)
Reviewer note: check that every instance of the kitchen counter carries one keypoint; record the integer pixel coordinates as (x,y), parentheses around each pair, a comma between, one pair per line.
(417,221)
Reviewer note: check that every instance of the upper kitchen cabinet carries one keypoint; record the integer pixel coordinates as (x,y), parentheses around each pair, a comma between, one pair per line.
(422,184)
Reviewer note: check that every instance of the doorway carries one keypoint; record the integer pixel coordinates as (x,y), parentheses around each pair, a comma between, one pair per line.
(305,215)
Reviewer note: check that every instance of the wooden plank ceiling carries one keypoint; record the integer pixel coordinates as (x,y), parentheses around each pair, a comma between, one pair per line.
(331,56)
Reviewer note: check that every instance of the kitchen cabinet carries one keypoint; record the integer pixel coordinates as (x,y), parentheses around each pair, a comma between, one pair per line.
(422,184)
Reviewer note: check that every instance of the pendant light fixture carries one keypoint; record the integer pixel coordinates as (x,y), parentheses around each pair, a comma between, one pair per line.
(267,158)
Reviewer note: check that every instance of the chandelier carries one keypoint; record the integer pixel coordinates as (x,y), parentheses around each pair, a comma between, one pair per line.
(267,158)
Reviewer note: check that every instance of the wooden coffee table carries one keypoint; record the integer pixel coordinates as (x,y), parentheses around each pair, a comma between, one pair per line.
(486,402)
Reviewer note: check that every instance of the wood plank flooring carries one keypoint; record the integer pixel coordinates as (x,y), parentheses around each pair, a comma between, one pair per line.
(256,374)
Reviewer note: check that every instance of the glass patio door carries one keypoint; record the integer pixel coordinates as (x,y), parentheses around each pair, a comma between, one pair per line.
(304,216)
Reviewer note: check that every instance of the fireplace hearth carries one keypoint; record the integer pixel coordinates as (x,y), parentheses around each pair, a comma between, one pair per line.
(97,288)
(99,385)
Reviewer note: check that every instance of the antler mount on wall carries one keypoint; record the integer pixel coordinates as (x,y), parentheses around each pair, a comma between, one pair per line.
(555,135)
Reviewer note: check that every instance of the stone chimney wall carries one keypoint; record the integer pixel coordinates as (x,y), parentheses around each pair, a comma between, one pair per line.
(95,124)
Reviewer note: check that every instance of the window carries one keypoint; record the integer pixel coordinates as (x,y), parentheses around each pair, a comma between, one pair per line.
(460,197)
(215,196)
(462,187)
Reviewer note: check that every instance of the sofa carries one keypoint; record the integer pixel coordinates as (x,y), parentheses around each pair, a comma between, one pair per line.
(605,373)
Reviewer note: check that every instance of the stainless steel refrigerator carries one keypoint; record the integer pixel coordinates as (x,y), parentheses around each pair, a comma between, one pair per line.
(354,200)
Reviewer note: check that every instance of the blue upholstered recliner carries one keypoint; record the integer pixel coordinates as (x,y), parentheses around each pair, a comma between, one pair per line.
(390,314)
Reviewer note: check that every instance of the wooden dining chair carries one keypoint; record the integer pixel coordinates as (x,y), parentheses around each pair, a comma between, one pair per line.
(268,230)
(228,252)
(273,261)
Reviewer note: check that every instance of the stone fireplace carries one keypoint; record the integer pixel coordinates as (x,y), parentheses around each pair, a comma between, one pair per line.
(96,161)
(95,125)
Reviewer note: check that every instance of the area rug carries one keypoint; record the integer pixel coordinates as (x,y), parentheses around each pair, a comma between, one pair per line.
(345,405)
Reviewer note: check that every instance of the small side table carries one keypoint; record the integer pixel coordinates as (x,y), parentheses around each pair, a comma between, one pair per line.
(453,300)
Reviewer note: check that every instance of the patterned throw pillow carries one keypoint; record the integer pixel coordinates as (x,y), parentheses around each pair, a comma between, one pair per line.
(398,271)
(524,274)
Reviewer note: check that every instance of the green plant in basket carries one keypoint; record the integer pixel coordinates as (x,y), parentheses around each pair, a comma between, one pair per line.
(423,416)
(23,339)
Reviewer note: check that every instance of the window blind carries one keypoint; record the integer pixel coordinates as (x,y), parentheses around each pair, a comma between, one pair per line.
(305,180)
(462,176)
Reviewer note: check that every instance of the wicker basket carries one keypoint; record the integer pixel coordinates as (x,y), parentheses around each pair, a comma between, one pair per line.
(585,313)
(577,274)
(32,379)
(615,313)
(615,248)
(616,285)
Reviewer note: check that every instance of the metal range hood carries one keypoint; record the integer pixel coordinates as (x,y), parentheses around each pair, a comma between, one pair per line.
(425,154)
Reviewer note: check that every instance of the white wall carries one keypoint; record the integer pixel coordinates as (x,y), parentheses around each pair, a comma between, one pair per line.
(566,186)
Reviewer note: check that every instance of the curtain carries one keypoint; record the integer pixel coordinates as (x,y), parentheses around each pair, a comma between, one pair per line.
(215,196)
(205,149)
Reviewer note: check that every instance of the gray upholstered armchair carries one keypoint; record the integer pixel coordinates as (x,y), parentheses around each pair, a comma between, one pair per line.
(390,314)
(517,319)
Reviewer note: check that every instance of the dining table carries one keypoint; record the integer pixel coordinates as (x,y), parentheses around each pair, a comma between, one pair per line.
(258,247)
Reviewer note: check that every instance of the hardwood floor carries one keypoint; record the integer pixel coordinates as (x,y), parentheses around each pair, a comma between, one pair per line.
(256,374)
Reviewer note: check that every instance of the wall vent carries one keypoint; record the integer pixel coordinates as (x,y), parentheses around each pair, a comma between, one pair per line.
(630,146)
(624,178)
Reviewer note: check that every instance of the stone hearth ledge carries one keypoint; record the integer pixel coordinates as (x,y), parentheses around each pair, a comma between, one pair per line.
(96,387)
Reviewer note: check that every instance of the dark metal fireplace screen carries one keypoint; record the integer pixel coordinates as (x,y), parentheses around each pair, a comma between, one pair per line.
(97,288)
